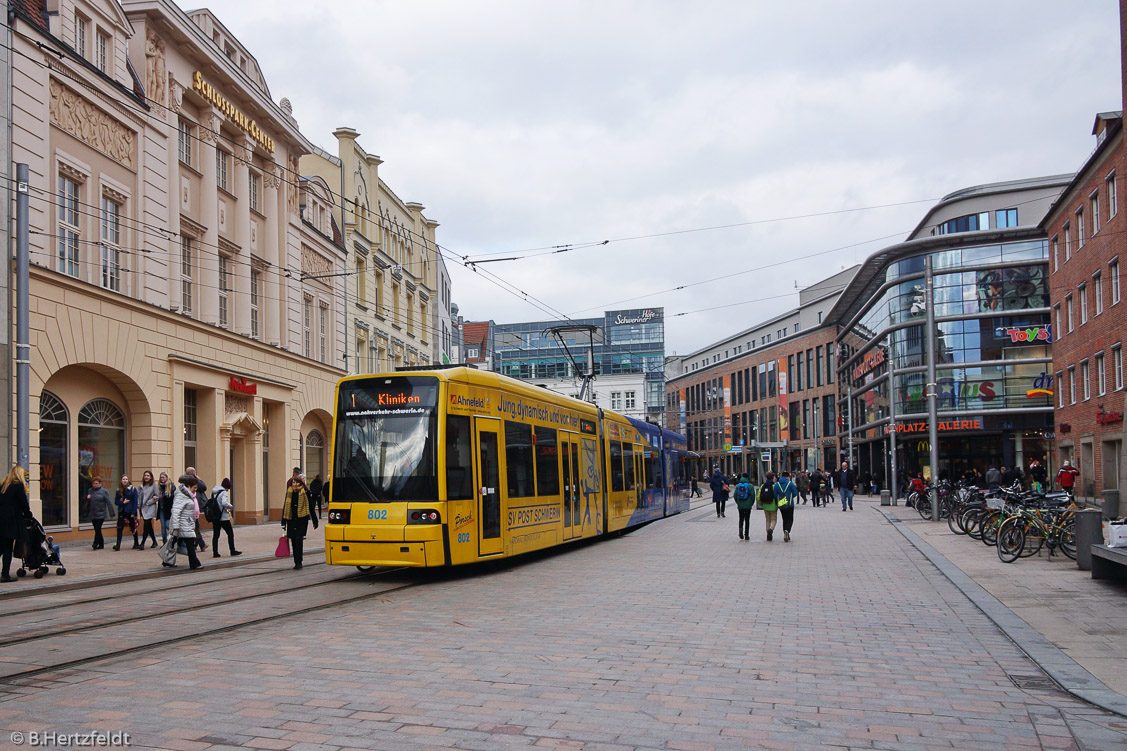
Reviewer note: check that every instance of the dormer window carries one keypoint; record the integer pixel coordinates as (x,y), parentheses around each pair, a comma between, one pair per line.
(81,30)
(103,51)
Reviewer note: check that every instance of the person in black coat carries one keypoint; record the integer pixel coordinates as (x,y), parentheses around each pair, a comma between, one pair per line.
(14,513)
(316,487)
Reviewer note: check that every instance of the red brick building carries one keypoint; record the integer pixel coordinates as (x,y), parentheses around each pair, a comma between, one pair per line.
(1087,230)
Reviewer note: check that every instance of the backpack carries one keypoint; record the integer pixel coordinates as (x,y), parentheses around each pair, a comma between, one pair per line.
(780,492)
(743,490)
(766,494)
(212,511)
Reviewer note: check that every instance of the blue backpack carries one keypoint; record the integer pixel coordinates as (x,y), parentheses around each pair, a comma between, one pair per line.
(743,491)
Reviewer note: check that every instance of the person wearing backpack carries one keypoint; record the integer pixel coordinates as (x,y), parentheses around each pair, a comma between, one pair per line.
(785,494)
(719,485)
(803,483)
(220,507)
(767,503)
(745,502)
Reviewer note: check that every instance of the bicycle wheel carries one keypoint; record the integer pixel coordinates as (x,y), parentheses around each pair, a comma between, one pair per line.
(923,506)
(1035,534)
(971,522)
(1011,540)
(989,524)
(1067,538)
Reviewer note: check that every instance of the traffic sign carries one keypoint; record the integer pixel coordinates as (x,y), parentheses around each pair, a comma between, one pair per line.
(727,445)
(765,456)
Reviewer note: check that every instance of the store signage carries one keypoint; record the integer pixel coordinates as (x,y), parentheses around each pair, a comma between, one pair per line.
(1042,386)
(1065,428)
(872,358)
(242,386)
(1032,334)
(1106,418)
(943,425)
(223,104)
(645,317)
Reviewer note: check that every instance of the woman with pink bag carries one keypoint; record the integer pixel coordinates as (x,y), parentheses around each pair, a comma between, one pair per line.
(297,512)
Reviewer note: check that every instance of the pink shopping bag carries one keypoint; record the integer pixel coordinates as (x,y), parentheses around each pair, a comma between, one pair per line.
(283,549)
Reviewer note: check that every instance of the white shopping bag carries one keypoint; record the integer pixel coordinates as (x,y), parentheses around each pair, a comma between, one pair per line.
(1117,535)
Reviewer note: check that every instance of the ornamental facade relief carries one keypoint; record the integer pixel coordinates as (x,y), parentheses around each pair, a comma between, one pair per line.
(97,129)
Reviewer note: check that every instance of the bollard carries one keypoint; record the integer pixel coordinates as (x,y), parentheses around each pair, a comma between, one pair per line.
(885,498)
(1089,532)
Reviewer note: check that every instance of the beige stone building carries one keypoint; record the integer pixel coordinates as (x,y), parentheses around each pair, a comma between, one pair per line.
(187,282)
(393,261)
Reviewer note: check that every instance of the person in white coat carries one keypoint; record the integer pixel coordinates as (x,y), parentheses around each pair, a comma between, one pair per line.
(222,493)
(184,516)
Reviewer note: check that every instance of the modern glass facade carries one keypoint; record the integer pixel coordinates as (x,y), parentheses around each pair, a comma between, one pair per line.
(992,353)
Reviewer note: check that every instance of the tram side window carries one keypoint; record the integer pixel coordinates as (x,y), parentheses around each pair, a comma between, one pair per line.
(547,462)
(616,466)
(518,459)
(628,464)
(459,459)
(653,471)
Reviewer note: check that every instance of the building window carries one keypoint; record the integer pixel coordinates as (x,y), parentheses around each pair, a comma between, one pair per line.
(1005,218)
(361,281)
(378,299)
(186,264)
(616,400)
(103,52)
(1056,253)
(373,359)
(1113,275)
(1117,365)
(411,315)
(184,142)
(314,454)
(1079,229)
(221,168)
(224,288)
(323,332)
(1060,389)
(255,181)
(1112,197)
(1101,375)
(101,438)
(1066,230)
(81,30)
(255,296)
(1083,303)
(1094,210)
(395,303)
(630,401)
(69,235)
(54,461)
(1068,310)
(1072,384)
(829,363)
(1098,286)
(307,326)
(1058,330)
(111,244)
(189,428)
(1086,380)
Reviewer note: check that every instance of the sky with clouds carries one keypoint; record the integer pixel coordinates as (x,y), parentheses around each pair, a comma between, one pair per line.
(824,129)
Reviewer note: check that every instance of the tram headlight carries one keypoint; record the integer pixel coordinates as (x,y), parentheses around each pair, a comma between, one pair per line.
(423,516)
(339,515)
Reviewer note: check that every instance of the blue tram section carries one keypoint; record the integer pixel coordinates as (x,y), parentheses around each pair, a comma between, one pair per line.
(664,484)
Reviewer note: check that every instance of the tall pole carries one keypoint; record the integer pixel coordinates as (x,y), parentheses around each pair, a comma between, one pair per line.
(23,346)
(893,485)
(849,415)
(932,383)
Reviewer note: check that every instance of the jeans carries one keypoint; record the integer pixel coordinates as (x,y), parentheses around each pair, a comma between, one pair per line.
(745,521)
(720,502)
(163,528)
(846,499)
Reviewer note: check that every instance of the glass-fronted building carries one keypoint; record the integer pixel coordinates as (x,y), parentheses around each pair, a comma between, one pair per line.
(992,333)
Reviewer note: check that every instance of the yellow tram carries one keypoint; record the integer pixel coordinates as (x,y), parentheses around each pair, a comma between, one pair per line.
(450,466)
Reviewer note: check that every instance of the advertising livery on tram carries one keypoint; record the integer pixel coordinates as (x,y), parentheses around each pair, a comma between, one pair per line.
(450,466)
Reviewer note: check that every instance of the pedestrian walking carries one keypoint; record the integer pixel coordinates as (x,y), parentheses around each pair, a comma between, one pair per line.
(125,501)
(222,495)
(866,482)
(297,512)
(993,479)
(767,504)
(694,489)
(785,494)
(816,482)
(1038,476)
(101,508)
(149,507)
(1011,477)
(1066,476)
(316,487)
(847,482)
(719,485)
(165,491)
(201,500)
(15,511)
(803,485)
(184,523)
(745,502)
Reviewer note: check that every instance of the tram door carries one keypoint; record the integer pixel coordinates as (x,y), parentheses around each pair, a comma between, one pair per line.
(488,483)
(569,452)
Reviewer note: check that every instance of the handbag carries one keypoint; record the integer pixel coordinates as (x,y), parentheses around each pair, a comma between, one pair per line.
(283,549)
(168,551)
(1117,535)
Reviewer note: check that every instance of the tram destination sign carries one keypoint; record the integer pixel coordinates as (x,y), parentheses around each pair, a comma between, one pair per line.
(360,401)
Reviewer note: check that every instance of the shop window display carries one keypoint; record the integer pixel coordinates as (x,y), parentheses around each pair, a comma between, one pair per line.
(101,448)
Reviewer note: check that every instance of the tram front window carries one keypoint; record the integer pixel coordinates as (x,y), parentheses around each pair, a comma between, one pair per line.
(385,442)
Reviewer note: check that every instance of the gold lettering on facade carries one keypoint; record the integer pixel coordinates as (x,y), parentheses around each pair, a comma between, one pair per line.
(97,129)
(224,105)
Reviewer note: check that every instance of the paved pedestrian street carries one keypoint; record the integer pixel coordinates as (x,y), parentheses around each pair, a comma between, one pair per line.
(677,636)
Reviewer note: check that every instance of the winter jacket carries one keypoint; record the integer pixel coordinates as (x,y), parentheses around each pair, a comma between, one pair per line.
(126,501)
(749,502)
(785,492)
(993,477)
(164,499)
(14,512)
(183,520)
(148,501)
(223,497)
(719,485)
(99,504)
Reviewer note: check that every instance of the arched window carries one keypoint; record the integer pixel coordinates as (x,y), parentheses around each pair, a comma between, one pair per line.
(54,430)
(101,448)
(314,455)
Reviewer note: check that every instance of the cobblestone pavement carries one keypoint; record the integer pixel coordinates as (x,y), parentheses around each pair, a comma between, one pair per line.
(678,636)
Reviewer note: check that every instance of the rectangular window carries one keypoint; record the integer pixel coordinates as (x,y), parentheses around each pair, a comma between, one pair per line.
(411,314)
(1004,218)
(1086,380)
(805,419)
(629,481)
(1079,229)
(307,326)
(829,363)
(1117,365)
(1101,375)
(1058,330)
(186,265)
(616,478)
(547,462)
(224,288)
(190,428)
(1083,303)
(255,296)
(362,281)
(1068,310)
(1098,288)
(111,244)
(1094,210)
(1112,197)
(518,457)
(616,400)
(809,368)
(221,168)
(323,332)
(255,181)
(1066,230)
(459,459)
(1113,277)
(395,304)
(69,235)
(103,52)
(1060,389)
(630,400)
(184,142)
(1056,252)
(1072,384)
(377,300)
(81,30)
(819,369)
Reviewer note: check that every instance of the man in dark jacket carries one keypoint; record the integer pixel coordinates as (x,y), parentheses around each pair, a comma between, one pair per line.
(816,486)
(719,485)
(847,481)
(100,506)
(1011,476)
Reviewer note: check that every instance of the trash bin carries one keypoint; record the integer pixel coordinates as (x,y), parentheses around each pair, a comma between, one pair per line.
(1089,532)
(885,498)
(1111,504)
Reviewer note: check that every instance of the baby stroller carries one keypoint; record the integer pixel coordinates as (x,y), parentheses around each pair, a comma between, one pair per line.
(40,553)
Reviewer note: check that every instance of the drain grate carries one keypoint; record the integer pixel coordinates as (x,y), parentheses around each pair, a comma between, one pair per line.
(1034,682)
